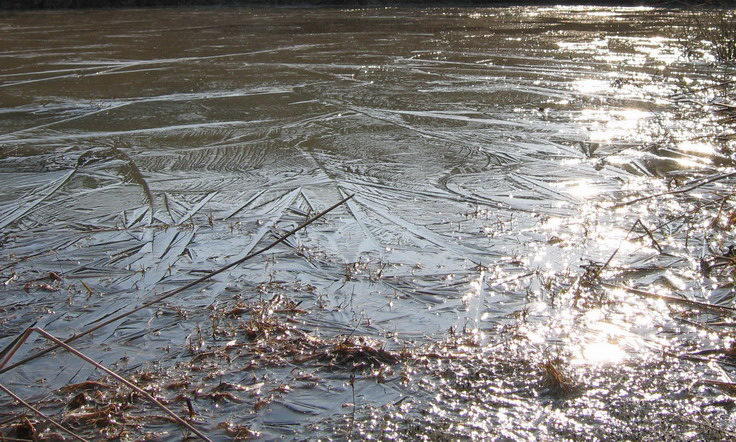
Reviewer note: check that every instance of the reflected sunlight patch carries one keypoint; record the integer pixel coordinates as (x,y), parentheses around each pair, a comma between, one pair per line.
(580,189)
(610,125)
(697,147)
(591,86)
(601,353)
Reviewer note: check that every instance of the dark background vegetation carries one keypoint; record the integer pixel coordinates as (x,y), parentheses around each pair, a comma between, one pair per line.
(50,4)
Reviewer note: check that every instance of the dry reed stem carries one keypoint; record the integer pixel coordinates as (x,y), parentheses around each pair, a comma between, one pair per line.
(720,309)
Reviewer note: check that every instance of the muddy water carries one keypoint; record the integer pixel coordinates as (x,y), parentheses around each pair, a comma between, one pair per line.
(141,149)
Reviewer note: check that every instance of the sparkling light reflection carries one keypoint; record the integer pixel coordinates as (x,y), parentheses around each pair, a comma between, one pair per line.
(602,353)
(697,147)
(581,189)
(591,86)
(609,125)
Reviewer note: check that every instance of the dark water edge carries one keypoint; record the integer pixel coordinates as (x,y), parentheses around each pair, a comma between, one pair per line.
(76,4)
